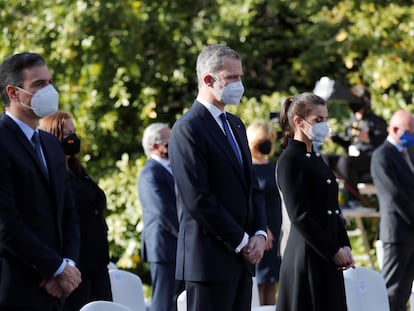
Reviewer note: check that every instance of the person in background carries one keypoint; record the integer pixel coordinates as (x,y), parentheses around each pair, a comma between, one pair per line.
(392,171)
(222,231)
(159,237)
(365,132)
(90,202)
(318,248)
(261,136)
(39,228)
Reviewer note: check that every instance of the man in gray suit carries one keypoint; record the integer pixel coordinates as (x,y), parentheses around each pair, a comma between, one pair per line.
(392,171)
(158,202)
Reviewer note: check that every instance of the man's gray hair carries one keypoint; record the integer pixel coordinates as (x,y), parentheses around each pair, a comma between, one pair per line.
(152,135)
(211,59)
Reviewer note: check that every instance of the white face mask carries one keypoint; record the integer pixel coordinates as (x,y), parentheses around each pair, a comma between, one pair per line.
(230,94)
(44,102)
(318,131)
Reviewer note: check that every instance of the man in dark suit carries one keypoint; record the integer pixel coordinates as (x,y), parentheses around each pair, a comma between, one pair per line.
(393,175)
(158,202)
(222,224)
(39,229)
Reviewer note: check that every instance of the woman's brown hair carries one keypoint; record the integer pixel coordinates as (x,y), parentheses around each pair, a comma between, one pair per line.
(55,124)
(301,106)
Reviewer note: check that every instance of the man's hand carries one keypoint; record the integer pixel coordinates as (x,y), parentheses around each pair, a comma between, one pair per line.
(52,287)
(69,279)
(253,251)
(63,284)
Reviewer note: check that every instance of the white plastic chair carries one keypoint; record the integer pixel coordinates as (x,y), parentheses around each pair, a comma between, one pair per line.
(127,289)
(101,305)
(112,266)
(379,249)
(353,298)
(182,301)
(256,300)
(365,290)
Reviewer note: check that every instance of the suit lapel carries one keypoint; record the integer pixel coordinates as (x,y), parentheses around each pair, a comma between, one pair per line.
(218,136)
(27,145)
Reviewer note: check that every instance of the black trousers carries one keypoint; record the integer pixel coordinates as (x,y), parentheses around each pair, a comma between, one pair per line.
(235,295)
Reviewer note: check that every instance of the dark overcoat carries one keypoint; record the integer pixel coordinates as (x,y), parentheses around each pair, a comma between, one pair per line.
(309,279)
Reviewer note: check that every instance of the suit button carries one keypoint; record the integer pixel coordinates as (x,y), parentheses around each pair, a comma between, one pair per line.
(96,212)
(328,181)
(337,212)
(308,155)
(329,212)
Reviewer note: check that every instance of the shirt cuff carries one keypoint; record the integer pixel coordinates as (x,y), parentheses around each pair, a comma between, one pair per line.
(63,265)
(261,232)
(243,243)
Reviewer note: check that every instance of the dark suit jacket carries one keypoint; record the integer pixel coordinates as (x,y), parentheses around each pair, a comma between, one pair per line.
(218,201)
(158,202)
(395,189)
(38,224)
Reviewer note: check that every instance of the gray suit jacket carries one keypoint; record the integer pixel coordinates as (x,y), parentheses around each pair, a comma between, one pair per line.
(394,181)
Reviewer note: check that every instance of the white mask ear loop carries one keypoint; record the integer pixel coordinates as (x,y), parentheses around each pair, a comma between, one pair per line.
(27,92)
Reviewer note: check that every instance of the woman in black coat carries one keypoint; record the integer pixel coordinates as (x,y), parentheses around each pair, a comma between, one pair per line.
(90,202)
(318,248)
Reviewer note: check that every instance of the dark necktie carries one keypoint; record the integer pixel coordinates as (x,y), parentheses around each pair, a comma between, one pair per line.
(230,138)
(36,144)
(407,158)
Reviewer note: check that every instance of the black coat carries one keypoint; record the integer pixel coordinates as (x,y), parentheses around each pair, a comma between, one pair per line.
(309,279)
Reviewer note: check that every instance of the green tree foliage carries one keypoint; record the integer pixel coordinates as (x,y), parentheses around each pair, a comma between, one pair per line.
(120,65)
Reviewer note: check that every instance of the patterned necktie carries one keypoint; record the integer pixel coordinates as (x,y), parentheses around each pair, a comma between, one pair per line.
(36,145)
(230,138)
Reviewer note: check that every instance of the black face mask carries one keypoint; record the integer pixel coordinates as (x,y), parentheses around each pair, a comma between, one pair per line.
(71,144)
(265,147)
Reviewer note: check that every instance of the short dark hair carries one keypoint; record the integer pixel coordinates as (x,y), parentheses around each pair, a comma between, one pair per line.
(11,71)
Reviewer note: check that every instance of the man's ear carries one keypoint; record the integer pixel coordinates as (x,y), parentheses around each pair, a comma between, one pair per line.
(208,80)
(11,92)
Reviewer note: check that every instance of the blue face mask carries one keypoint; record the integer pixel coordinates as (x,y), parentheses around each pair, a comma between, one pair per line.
(407,139)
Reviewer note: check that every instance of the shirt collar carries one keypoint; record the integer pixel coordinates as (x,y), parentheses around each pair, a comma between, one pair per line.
(27,130)
(395,144)
(162,161)
(214,111)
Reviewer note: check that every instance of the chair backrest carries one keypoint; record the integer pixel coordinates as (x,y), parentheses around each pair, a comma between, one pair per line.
(182,301)
(127,289)
(255,293)
(112,266)
(101,305)
(365,290)
(379,248)
(353,298)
